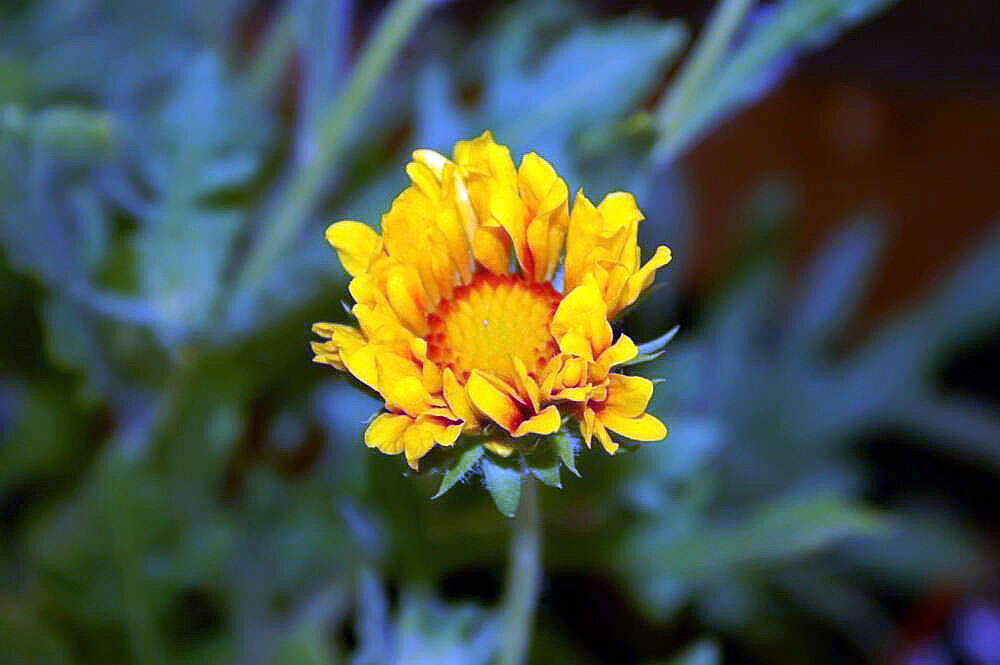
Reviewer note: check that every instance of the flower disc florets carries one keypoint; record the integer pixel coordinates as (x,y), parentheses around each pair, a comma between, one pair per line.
(457,342)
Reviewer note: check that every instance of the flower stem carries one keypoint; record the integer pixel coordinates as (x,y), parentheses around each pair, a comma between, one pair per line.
(303,192)
(703,60)
(523,578)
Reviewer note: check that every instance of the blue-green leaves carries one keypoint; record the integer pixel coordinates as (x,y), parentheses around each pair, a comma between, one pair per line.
(780,531)
(533,458)
(654,348)
(540,102)
(503,481)
(462,466)
(177,478)
(770,42)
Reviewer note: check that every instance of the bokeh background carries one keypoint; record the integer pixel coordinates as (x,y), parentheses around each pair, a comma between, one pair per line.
(179,484)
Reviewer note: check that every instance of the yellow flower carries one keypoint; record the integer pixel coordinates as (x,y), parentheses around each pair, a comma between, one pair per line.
(461,325)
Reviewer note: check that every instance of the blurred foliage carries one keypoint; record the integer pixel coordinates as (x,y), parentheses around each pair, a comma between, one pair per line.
(179,484)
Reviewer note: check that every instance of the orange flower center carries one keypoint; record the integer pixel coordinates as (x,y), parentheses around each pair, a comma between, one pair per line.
(491,320)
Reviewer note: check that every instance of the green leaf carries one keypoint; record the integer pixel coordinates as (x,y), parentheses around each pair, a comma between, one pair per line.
(703,652)
(504,484)
(544,463)
(760,61)
(653,349)
(565,444)
(306,645)
(28,640)
(776,532)
(540,104)
(462,464)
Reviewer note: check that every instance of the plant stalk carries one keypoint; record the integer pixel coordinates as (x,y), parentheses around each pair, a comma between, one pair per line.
(705,57)
(304,190)
(523,582)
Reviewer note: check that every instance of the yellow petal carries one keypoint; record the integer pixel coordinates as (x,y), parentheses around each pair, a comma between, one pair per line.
(417,440)
(544,193)
(621,351)
(644,428)
(483,155)
(539,185)
(406,394)
(407,298)
(324,354)
(412,237)
(526,386)
(433,160)
(577,394)
(386,433)
(367,290)
(457,399)
(343,340)
(549,375)
(507,210)
(493,402)
(381,325)
(491,247)
(620,217)
(574,373)
(641,280)
(357,245)
(400,382)
(545,422)
(447,434)
(362,364)
(612,279)
(437,182)
(606,441)
(499,448)
(424,178)
(620,211)
(628,396)
(581,239)
(582,316)
(587,425)
(432,378)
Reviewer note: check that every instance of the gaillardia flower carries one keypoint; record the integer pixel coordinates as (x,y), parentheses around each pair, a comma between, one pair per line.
(470,321)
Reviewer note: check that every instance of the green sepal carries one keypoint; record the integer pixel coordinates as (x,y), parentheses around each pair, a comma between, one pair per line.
(653,349)
(565,442)
(543,462)
(465,461)
(504,485)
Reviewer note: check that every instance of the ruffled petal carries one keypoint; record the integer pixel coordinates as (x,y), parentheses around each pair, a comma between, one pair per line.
(602,435)
(508,211)
(628,396)
(357,245)
(412,237)
(491,247)
(494,403)
(386,433)
(526,386)
(620,352)
(580,324)
(341,340)
(407,297)
(546,196)
(417,441)
(640,281)
(400,382)
(545,422)
(644,428)
(620,211)
(457,399)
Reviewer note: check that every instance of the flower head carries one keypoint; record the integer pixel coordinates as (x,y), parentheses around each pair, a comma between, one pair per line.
(463,326)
